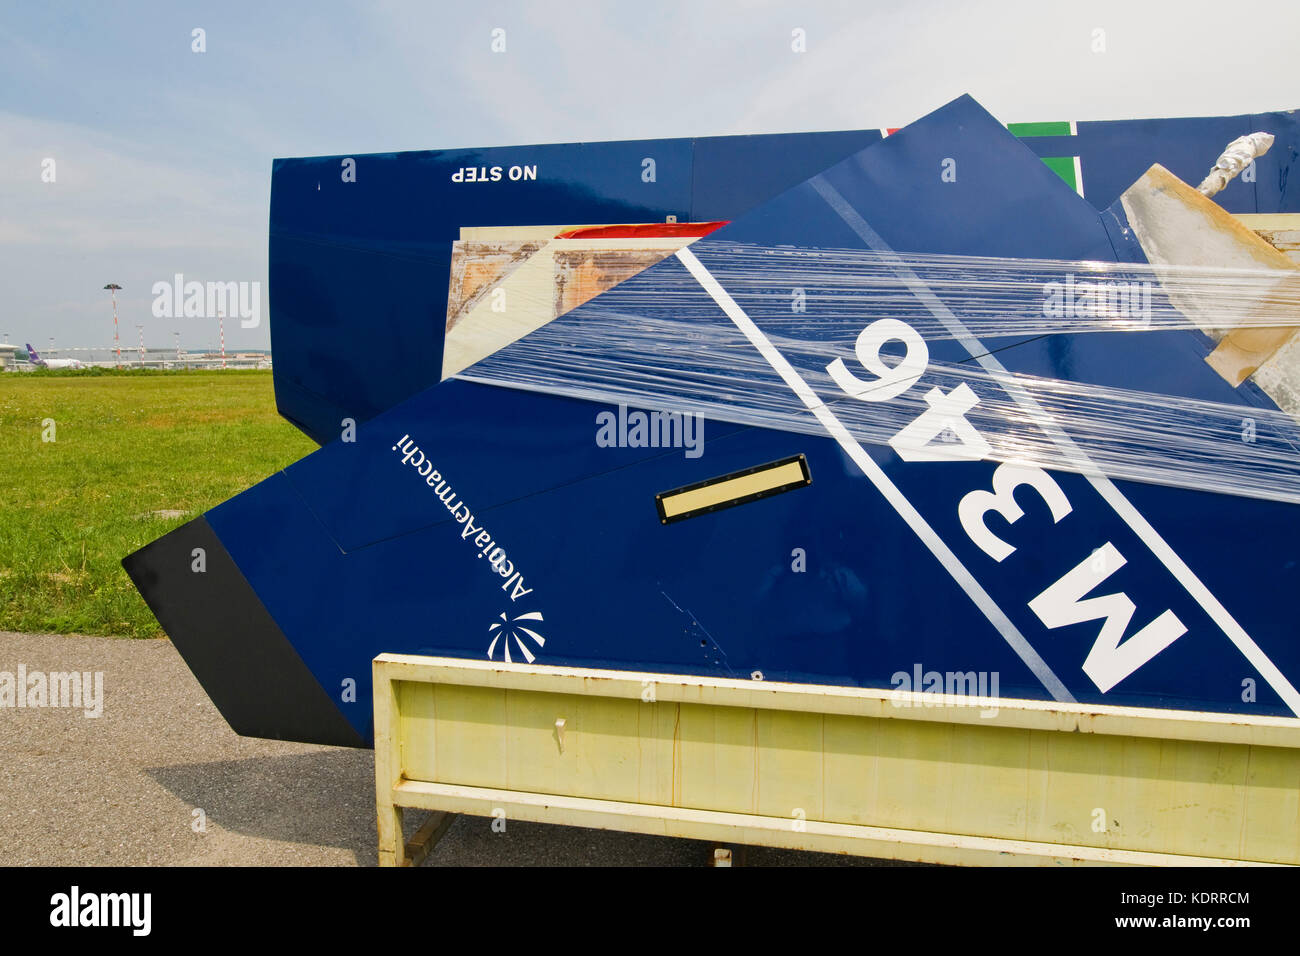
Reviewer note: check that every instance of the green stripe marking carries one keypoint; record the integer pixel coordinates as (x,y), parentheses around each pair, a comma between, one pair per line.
(1039,129)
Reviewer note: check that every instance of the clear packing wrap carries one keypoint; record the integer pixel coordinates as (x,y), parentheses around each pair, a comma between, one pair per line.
(854,326)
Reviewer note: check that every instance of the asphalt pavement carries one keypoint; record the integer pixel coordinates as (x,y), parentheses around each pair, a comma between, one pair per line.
(158,778)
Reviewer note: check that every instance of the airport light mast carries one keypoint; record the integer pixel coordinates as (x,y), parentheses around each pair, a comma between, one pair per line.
(113,288)
(140,328)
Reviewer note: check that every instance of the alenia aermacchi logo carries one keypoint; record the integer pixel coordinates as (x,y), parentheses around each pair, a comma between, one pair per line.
(509,629)
(483,542)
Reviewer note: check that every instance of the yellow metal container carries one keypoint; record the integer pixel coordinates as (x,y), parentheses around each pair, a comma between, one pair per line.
(871,772)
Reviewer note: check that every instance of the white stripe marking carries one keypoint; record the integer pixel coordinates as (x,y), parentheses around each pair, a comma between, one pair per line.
(1080,461)
(896,498)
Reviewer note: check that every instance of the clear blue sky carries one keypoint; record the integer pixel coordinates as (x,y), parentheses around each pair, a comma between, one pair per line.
(163,155)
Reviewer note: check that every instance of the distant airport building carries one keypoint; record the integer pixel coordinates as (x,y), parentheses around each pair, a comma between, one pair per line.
(151,357)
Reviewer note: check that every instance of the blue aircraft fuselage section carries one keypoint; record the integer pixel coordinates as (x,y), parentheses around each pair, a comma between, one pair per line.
(360,245)
(1112,154)
(473,521)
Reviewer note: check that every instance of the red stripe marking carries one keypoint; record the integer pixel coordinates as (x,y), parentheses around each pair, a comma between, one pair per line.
(646,230)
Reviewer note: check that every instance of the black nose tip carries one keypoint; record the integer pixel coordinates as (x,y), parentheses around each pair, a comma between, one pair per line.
(231,643)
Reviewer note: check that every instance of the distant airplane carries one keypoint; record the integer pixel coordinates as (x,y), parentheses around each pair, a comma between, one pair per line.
(34,357)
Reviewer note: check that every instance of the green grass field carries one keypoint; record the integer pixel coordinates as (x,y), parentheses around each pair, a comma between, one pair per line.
(133,455)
